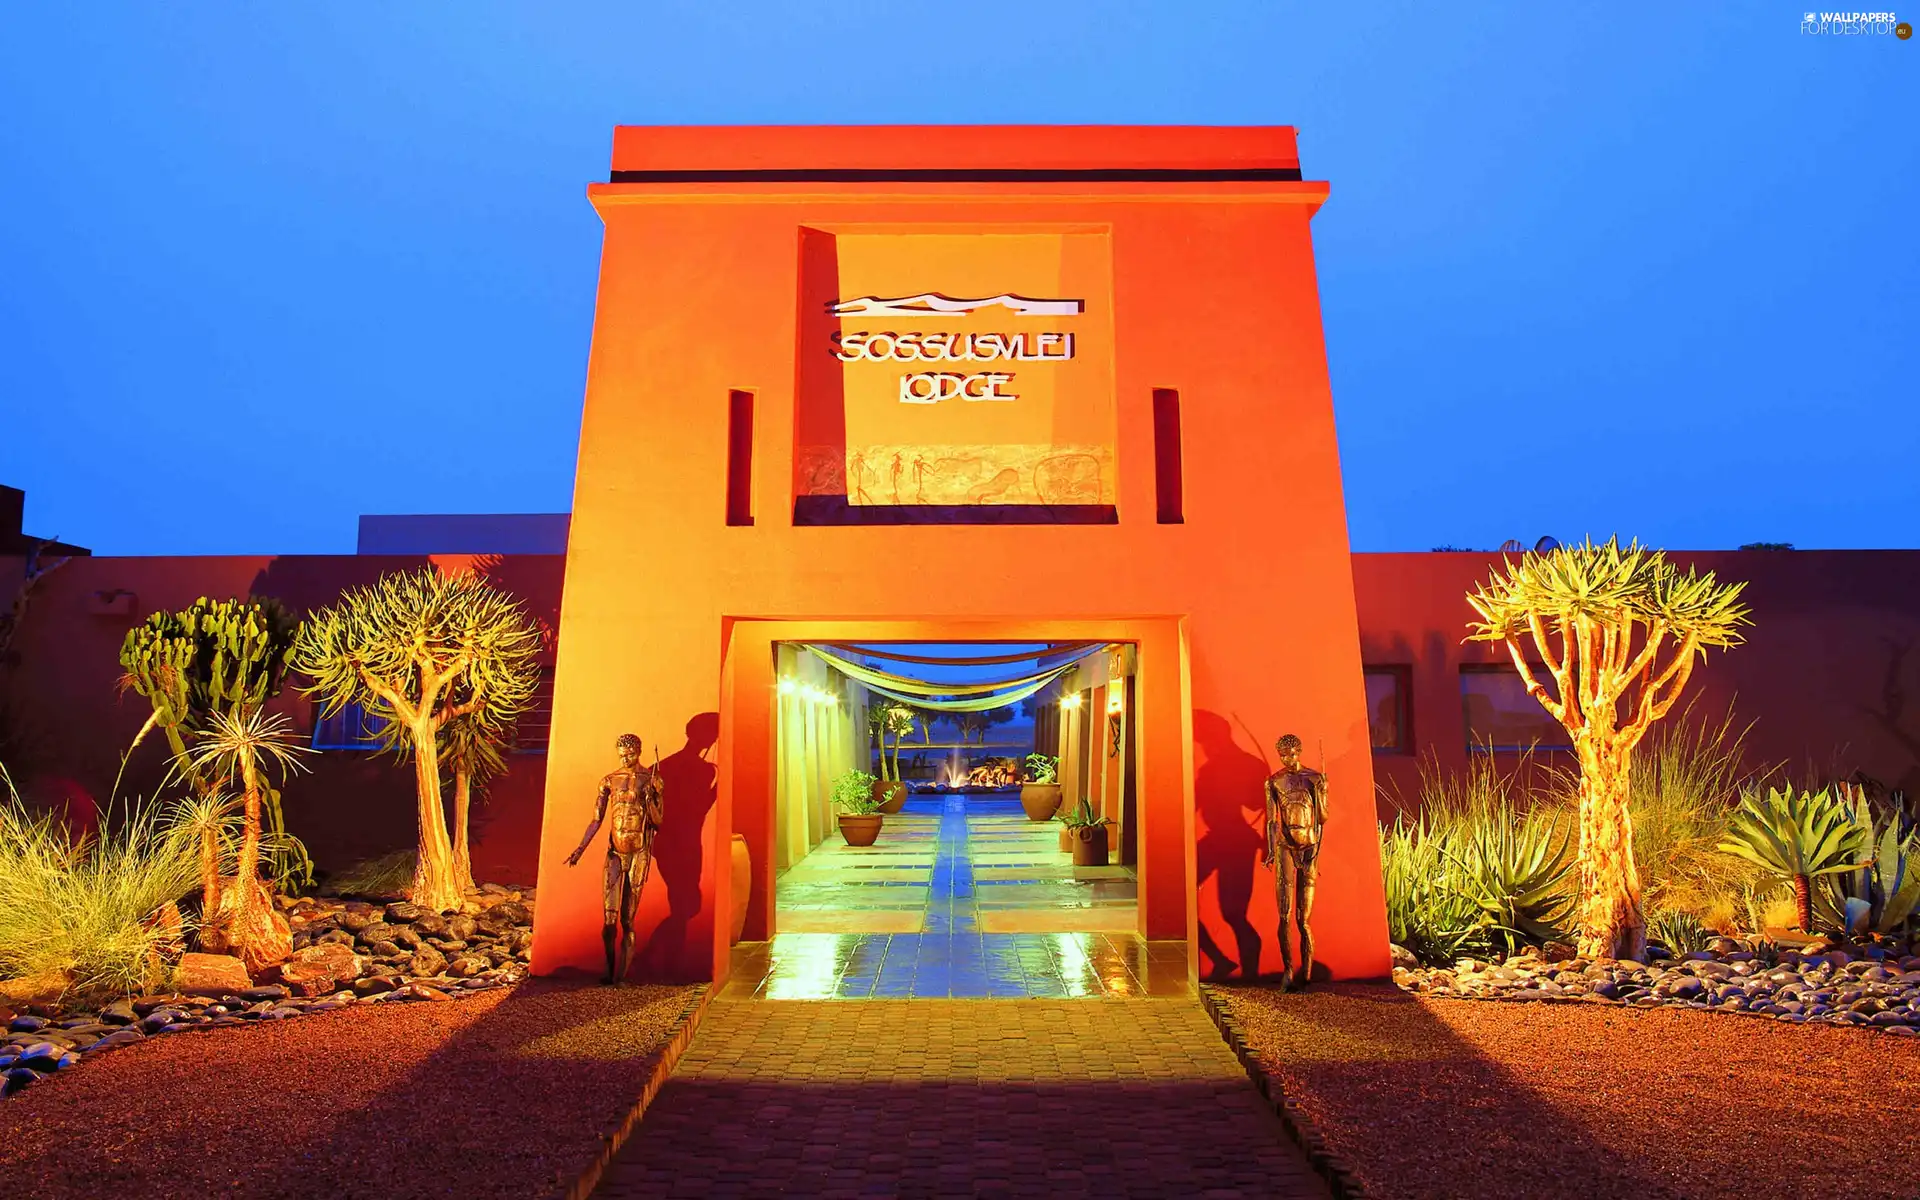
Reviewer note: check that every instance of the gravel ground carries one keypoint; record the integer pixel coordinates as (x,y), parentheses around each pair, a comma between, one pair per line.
(1430,1097)
(506,1093)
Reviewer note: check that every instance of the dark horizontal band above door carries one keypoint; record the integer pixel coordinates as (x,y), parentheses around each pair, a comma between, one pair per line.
(978,175)
(837,510)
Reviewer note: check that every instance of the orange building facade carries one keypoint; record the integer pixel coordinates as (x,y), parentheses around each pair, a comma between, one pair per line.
(959,384)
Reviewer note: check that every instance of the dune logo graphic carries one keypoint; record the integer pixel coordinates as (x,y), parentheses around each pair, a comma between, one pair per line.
(933,304)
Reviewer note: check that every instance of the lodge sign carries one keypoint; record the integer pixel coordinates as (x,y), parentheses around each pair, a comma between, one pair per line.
(913,346)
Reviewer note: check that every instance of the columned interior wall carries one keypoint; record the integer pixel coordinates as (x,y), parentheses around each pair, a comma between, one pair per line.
(819,734)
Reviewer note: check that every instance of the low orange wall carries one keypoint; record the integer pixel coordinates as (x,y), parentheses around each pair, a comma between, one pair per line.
(1828,677)
(69,727)
(1825,678)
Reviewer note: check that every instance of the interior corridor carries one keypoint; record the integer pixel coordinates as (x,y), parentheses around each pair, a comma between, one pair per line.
(961,896)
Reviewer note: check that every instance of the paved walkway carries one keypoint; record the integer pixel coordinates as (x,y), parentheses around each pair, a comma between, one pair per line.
(938,1098)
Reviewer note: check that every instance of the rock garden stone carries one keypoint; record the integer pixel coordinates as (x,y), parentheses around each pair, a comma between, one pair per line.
(320,968)
(210,975)
(1830,986)
(427,961)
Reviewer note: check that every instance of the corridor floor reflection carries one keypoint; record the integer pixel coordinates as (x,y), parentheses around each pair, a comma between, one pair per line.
(962,897)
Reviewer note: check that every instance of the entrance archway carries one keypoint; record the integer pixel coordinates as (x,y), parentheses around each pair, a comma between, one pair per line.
(1162,842)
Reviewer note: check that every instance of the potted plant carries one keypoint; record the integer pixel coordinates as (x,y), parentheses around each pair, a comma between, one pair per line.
(889,791)
(860,817)
(1087,833)
(1040,793)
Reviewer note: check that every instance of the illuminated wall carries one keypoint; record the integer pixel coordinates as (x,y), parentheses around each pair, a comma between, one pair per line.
(995,389)
(821,736)
(1174,484)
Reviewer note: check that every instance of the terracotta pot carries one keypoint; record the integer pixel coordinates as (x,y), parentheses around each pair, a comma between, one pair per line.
(742,884)
(1041,800)
(860,831)
(1066,839)
(1090,846)
(891,793)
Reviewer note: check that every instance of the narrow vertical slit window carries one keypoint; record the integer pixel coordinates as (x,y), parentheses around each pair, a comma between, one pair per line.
(1168,489)
(739,458)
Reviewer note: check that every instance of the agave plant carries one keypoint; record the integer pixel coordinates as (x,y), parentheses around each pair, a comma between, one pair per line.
(1515,870)
(1678,930)
(1879,895)
(1797,837)
(1426,913)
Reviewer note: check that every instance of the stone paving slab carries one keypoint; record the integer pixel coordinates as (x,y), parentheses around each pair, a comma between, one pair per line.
(937,1098)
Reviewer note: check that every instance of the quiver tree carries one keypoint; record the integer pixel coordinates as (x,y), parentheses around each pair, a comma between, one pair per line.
(472,752)
(1619,632)
(417,651)
(207,672)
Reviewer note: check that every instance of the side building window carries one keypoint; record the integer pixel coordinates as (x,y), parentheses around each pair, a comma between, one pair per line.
(349,729)
(1389,723)
(536,724)
(1501,716)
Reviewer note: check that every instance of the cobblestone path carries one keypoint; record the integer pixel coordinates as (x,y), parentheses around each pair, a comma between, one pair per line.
(937,1098)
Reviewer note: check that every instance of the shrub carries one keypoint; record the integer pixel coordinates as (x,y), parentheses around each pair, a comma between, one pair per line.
(1042,768)
(386,877)
(1687,780)
(98,910)
(853,794)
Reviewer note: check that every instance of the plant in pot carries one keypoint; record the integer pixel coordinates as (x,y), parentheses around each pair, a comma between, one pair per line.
(859,807)
(1086,832)
(895,721)
(1040,793)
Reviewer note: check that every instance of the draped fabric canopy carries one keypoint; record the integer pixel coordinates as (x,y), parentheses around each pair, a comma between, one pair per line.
(1052,662)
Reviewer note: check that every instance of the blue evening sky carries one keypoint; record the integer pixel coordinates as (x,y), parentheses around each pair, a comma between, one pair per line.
(1586,268)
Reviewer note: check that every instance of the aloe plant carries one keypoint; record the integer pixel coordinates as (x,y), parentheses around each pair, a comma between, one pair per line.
(1082,816)
(1515,870)
(1797,837)
(1678,930)
(1879,895)
(1426,913)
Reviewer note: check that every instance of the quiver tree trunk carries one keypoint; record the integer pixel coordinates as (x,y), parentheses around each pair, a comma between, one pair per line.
(435,886)
(1612,924)
(462,807)
(1803,903)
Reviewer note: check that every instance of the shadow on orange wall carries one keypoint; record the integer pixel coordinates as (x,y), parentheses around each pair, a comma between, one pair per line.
(1229,796)
(679,848)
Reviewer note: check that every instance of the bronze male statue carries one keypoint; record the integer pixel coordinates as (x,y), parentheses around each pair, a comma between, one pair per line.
(1296,816)
(634,793)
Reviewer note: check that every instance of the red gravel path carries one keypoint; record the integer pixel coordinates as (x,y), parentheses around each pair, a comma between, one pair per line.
(1434,1098)
(501,1094)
